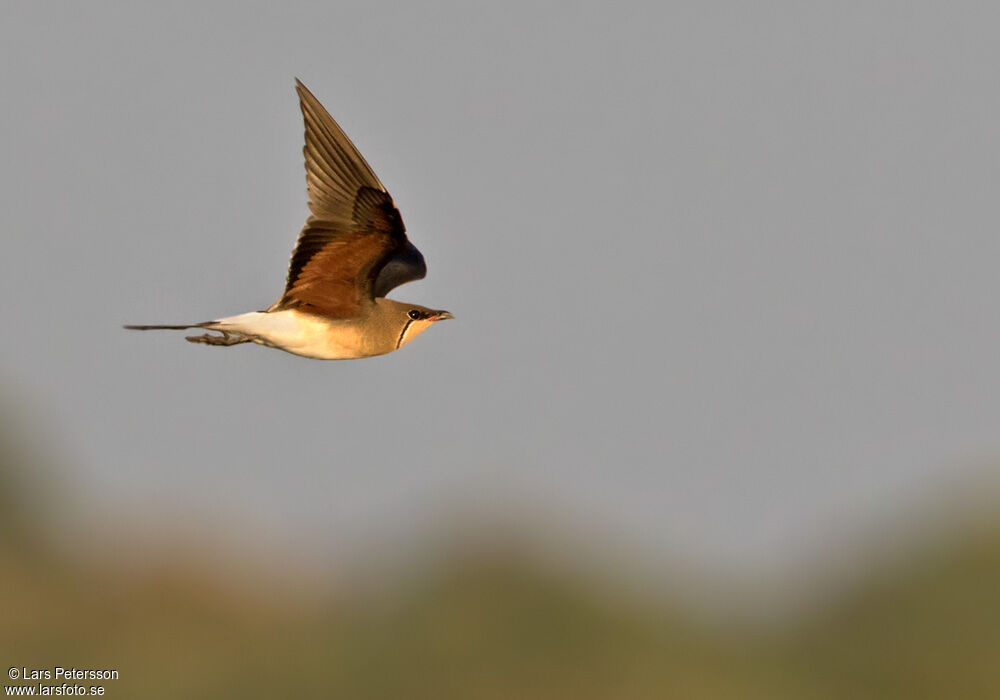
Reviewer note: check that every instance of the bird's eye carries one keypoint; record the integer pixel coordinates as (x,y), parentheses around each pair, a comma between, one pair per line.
(414,314)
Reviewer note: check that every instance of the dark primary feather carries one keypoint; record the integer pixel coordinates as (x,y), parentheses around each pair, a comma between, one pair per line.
(354,231)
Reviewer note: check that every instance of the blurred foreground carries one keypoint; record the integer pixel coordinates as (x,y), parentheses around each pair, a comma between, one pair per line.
(489,622)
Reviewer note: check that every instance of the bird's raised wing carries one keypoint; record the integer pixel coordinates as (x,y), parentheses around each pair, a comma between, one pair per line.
(354,230)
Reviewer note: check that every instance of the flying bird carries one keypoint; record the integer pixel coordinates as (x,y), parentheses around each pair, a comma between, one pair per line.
(351,253)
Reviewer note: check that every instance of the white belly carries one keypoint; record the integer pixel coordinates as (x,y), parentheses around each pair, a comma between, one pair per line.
(299,333)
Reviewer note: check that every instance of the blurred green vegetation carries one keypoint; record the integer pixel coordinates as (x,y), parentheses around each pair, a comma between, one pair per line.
(490,624)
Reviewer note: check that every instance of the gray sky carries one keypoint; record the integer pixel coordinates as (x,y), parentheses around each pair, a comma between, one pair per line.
(724,276)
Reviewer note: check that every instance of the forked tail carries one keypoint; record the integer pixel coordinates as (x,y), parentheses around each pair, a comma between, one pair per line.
(168,328)
(226,338)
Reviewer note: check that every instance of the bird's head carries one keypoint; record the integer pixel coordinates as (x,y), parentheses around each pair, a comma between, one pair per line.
(411,319)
